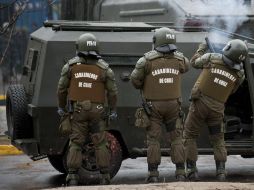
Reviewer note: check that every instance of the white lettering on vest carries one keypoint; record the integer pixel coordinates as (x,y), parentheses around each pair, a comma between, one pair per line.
(223,73)
(84,85)
(220,82)
(166,80)
(165,71)
(86,75)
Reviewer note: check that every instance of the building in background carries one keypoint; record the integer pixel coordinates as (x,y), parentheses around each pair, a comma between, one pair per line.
(36,12)
(19,18)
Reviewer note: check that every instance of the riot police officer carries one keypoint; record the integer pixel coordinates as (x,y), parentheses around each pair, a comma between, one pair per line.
(221,76)
(158,75)
(84,81)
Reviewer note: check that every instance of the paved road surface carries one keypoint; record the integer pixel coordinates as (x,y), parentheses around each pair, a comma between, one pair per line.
(19,172)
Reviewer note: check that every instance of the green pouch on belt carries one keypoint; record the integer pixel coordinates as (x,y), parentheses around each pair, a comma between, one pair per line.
(142,120)
(65,125)
(86,105)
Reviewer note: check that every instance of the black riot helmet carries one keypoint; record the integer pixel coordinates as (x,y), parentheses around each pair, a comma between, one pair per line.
(87,44)
(235,53)
(164,40)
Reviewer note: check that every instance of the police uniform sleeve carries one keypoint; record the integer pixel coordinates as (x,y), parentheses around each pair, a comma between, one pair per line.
(138,74)
(185,64)
(63,85)
(202,48)
(202,61)
(240,80)
(111,89)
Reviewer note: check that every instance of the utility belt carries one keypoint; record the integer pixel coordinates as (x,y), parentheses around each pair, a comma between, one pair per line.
(173,99)
(147,104)
(86,105)
(149,101)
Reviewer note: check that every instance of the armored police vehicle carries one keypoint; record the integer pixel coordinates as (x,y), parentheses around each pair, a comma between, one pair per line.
(32,104)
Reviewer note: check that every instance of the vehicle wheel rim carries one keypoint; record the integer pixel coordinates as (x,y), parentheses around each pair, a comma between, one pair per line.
(88,158)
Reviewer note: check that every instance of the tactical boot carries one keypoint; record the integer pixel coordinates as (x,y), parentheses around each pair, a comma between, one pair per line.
(180,178)
(105,179)
(180,172)
(72,179)
(220,171)
(153,176)
(152,179)
(192,171)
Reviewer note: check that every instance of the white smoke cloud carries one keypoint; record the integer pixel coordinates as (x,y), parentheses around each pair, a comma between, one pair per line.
(226,14)
(229,13)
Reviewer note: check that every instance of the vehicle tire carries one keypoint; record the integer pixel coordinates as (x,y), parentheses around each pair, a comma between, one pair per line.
(18,121)
(89,172)
(57,162)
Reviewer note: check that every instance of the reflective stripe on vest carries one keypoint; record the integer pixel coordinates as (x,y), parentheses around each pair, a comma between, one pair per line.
(87,83)
(217,82)
(163,82)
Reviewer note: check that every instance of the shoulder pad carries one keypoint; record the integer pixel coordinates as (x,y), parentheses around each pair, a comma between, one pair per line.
(206,57)
(141,63)
(102,64)
(75,60)
(152,55)
(216,56)
(65,69)
(178,55)
(110,74)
